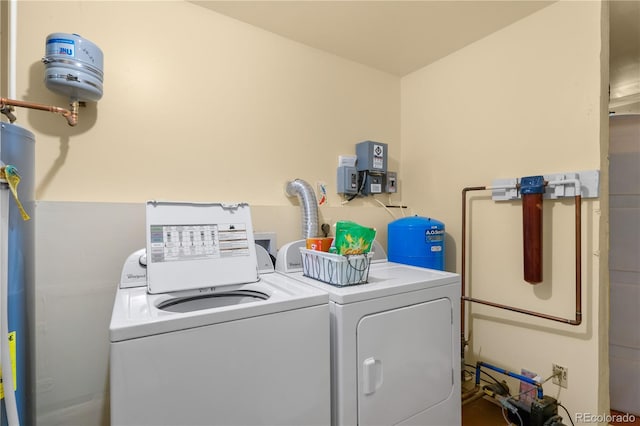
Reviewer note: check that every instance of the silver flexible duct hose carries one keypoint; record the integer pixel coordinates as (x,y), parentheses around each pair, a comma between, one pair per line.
(309,204)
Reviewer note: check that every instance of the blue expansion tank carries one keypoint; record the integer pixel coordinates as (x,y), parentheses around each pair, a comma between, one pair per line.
(417,241)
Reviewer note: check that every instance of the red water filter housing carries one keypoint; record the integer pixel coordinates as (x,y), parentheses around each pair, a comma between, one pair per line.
(532,190)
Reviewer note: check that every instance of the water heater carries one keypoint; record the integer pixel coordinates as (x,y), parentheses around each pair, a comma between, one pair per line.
(74,67)
(17,147)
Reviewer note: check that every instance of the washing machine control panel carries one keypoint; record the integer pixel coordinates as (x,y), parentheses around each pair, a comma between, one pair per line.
(196,245)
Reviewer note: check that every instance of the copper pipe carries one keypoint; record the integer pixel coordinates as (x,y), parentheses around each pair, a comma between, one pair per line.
(70,115)
(464,263)
(578,266)
(527,312)
(578,231)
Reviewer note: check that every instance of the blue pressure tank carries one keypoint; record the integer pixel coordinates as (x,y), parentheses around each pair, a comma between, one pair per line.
(417,241)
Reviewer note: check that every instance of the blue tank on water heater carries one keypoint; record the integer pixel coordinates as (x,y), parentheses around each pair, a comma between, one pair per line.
(417,241)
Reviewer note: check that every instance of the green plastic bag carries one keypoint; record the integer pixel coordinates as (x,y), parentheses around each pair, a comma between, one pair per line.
(352,238)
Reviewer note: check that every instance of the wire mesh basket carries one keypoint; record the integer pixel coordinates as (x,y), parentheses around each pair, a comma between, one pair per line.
(336,269)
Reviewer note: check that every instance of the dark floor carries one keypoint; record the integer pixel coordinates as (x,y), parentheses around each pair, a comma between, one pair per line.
(485,412)
(482,412)
(636,422)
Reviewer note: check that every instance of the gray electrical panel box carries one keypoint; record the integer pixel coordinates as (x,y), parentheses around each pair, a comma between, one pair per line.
(372,157)
(391,182)
(366,172)
(347,181)
(373,184)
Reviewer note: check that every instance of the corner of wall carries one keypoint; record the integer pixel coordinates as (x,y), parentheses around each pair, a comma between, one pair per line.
(603,249)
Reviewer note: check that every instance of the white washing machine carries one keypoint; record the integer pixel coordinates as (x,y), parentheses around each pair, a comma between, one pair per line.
(201,336)
(395,344)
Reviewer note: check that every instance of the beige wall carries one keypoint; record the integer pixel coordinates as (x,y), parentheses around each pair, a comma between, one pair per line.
(197,106)
(523,101)
(201,107)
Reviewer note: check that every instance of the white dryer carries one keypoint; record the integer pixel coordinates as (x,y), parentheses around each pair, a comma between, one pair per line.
(395,344)
(200,337)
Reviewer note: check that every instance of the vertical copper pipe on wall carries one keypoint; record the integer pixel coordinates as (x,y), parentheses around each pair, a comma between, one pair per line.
(578,228)
(464,263)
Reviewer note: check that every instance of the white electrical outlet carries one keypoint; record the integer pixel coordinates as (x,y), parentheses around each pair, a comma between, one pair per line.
(560,375)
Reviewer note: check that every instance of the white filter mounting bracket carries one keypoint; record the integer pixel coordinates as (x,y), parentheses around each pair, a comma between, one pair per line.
(558,185)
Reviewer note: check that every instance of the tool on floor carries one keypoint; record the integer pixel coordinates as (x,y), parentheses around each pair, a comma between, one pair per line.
(542,410)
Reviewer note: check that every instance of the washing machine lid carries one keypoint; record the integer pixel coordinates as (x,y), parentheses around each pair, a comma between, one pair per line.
(198,245)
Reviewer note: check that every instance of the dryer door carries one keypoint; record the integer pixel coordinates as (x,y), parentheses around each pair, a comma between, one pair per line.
(405,362)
